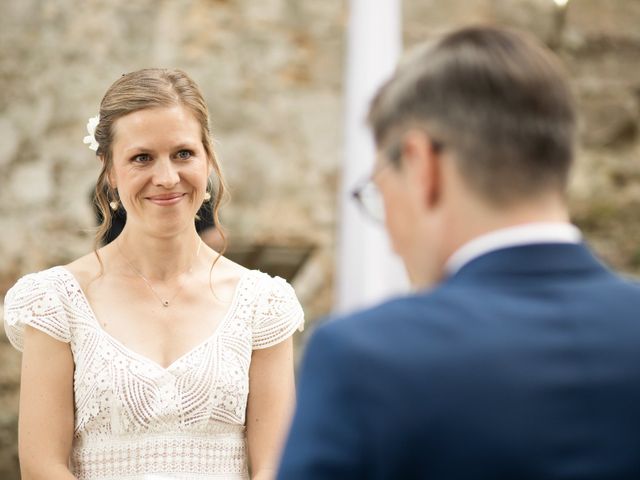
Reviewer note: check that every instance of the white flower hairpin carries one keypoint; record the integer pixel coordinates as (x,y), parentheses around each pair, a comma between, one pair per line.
(91,129)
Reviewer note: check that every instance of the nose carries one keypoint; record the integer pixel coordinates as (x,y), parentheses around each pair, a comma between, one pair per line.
(165,173)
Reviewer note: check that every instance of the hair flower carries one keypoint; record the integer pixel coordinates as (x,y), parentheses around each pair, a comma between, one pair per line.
(91,129)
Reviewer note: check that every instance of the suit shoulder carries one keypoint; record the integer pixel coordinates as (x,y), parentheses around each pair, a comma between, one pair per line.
(385,325)
(345,324)
(387,314)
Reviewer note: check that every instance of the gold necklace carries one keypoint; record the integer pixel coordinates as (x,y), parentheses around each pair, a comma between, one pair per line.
(164,302)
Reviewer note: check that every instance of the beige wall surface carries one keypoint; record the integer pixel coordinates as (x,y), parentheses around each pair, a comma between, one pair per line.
(272,73)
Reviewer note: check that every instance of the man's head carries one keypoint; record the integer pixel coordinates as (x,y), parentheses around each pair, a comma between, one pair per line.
(476,125)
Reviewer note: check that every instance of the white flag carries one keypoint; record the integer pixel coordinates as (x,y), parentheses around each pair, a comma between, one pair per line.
(367,270)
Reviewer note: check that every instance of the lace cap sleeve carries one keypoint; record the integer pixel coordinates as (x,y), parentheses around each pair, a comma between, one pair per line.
(278,313)
(34,301)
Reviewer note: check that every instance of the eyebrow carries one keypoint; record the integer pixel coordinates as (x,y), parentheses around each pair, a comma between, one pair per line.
(184,146)
(136,149)
(180,146)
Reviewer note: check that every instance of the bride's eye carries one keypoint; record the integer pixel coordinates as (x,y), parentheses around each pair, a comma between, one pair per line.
(141,158)
(184,154)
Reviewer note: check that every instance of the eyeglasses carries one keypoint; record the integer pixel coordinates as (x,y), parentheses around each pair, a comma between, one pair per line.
(367,195)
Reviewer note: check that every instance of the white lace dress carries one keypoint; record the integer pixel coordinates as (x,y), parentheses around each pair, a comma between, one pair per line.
(137,420)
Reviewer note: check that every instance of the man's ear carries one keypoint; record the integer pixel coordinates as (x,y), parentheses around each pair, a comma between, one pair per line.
(423,164)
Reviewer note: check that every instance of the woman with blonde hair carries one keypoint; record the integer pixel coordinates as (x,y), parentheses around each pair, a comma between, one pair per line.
(154,357)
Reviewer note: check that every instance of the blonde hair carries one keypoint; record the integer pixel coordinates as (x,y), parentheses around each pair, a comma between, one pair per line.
(139,90)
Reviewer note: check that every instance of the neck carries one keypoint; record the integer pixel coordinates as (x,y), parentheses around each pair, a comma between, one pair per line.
(470,220)
(157,258)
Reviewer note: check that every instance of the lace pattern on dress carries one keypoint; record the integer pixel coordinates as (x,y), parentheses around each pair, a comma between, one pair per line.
(276,317)
(35,302)
(132,416)
(133,456)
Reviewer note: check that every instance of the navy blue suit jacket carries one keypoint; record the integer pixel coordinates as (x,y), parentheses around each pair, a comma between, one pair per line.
(523,365)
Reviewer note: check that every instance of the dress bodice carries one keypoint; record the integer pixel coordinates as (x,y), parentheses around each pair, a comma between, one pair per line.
(134,418)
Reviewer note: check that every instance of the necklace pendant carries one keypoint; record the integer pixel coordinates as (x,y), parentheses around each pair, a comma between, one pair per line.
(165,303)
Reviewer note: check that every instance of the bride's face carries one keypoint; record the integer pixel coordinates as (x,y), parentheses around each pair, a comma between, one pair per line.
(160,168)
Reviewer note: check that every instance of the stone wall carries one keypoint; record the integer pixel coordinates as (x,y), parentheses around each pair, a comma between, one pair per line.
(272,74)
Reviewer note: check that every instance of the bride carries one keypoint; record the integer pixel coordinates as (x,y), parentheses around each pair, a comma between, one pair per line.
(154,356)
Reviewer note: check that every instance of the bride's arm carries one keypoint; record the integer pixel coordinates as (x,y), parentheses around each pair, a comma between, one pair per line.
(270,406)
(46,421)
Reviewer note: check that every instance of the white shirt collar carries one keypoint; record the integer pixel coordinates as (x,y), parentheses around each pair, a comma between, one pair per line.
(527,234)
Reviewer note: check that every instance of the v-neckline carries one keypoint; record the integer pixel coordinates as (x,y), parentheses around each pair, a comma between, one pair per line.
(111,338)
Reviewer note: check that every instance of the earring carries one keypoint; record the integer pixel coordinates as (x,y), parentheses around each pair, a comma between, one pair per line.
(114,205)
(207,196)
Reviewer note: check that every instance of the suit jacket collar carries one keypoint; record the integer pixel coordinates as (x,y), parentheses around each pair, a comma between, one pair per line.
(535,259)
(522,234)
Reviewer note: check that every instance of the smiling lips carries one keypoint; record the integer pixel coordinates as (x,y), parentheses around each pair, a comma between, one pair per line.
(166,199)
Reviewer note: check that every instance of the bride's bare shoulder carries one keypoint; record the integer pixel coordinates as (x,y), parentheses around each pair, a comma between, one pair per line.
(228,270)
(86,268)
